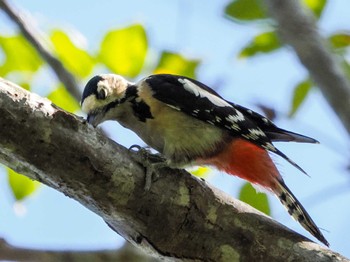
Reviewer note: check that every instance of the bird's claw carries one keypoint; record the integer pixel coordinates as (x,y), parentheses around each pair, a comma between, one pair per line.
(137,147)
(152,162)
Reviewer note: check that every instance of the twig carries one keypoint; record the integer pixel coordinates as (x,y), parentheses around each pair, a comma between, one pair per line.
(297,28)
(126,253)
(33,35)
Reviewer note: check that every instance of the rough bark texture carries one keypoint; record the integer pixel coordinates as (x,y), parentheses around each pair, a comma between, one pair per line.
(297,28)
(181,217)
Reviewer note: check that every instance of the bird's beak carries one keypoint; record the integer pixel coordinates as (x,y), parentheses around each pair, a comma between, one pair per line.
(92,119)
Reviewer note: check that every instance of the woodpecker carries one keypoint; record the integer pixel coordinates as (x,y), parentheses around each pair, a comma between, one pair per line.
(190,124)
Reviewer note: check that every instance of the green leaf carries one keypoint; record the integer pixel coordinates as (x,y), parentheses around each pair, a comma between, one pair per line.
(263,43)
(19,55)
(25,85)
(74,58)
(259,201)
(340,40)
(346,67)
(316,6)
(300,92)
(201,171)
(124,51)
(20,185)
(62,98)
(172,63)
(246,10)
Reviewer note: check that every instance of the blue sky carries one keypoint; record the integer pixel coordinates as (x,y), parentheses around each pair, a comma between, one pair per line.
(198,30)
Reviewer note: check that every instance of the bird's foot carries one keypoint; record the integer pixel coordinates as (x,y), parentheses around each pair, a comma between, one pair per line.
(152,163)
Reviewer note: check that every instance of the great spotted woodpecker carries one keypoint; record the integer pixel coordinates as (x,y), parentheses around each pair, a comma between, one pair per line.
(190,124)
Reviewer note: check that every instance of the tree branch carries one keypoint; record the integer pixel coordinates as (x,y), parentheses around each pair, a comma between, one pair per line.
(297,28)
(33,35)
(180,217)
(125,253)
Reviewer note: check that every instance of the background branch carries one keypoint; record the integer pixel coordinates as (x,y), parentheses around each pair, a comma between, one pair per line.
(34,37)
(125,253)
(297,28)
(180,217)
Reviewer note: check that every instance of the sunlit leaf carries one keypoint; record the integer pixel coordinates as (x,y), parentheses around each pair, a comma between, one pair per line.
(300,93)
(124,51)
(263,43)
(316,6)
(25,85)
(172,63)
(20,185)
(257,200)
(346,67)
(340,40)
(19,55)
(246,10)
(74,58)
(202,172)
(62,98)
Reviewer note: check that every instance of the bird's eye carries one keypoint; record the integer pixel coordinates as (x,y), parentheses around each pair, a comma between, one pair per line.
(101,94)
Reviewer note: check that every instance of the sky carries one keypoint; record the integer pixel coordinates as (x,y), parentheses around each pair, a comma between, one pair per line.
(198,31)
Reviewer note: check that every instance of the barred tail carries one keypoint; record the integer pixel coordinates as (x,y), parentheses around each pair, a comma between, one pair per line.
(297,211)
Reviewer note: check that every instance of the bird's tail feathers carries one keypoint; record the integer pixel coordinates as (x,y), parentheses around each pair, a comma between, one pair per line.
(282,135)
(297,211)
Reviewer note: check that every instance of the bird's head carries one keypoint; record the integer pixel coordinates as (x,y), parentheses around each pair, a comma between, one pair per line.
(102,93)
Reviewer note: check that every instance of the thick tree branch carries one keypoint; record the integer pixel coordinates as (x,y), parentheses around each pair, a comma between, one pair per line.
(35,38)
(180,217)
(125,253)
(298,29)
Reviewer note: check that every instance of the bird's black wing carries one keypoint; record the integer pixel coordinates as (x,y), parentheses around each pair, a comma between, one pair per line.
(203,103)
(271,130)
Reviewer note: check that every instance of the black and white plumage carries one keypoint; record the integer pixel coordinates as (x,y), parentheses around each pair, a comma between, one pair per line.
(194,99)
(210,107)
(189,123)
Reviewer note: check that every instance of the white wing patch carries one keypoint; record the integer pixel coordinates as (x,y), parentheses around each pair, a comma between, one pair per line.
(218,119)
(236,118)
(270,147)
(174,107)
(254,134)
(197,91)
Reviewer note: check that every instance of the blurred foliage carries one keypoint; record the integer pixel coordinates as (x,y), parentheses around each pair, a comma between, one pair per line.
(69,54)
(246,10)
(19,55)
(61,97)
(25,85)
(124,50)
(263,43)
(201,172)
(20,185)
(257,200)
(340,40)
(346,67)
(299,95)
(172,63)
(252,10)
(316,6)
